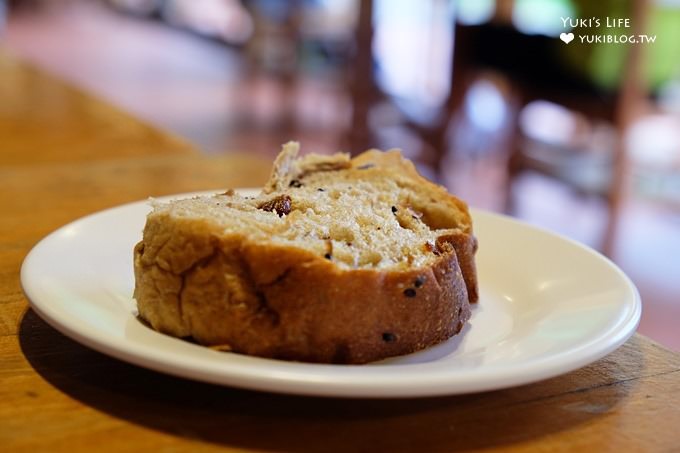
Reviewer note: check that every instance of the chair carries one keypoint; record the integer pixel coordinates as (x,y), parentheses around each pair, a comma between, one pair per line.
(529,62)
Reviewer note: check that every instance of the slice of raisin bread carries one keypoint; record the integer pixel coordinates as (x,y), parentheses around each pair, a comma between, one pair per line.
(337,260)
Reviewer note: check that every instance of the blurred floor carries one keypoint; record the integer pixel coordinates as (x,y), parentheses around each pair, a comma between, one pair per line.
(206,92)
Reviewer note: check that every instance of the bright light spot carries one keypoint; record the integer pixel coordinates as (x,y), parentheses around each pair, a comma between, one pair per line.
(485,106)
(541,17)
(69,231)
(655,141)
(548,122)
(474,12)
(413,46)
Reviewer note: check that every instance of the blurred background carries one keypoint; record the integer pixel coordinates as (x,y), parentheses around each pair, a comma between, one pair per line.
(581,138)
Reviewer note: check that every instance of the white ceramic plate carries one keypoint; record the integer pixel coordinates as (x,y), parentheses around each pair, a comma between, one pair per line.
(548,306)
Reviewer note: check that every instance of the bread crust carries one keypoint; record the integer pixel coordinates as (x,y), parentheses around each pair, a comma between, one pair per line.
(287,303)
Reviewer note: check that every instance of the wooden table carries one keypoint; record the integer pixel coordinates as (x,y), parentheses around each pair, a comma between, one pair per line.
(65,154)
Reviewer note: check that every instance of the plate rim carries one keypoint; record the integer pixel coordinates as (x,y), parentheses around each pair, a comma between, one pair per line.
(295,377)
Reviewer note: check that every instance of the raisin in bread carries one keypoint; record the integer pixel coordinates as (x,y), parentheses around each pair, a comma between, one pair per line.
(337,260)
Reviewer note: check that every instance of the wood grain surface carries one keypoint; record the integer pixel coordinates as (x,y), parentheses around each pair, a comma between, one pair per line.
(64,154)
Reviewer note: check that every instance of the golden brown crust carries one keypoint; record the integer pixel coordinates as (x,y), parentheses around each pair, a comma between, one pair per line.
(234,293)
(285,303)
